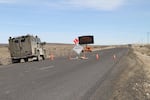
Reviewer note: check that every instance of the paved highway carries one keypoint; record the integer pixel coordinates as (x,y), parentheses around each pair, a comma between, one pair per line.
(61,79)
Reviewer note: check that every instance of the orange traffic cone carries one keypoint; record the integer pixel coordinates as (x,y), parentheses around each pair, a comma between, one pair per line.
(114,56)
(97,56)
(51,57)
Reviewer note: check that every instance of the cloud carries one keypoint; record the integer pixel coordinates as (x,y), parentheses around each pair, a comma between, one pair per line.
(77,4)
(27,2)
(7,1)
(96,4)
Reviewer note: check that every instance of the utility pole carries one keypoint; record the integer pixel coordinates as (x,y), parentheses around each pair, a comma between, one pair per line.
(148,34)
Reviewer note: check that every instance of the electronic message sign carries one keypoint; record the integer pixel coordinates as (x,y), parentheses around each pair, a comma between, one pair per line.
(86,39)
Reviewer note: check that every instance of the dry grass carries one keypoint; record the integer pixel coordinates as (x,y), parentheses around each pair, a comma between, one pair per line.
(4,55)
(58,49)
(134,82)
(143,53)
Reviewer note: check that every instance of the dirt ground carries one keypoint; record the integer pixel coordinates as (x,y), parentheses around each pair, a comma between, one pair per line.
(134,82)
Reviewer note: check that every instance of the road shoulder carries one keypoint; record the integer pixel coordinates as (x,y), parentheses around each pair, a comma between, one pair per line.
(134,82)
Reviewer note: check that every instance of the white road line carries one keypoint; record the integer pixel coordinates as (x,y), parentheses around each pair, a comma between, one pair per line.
(45,68)
(26,71)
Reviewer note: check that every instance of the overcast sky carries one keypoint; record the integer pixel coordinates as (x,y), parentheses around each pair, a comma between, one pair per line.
(60,21)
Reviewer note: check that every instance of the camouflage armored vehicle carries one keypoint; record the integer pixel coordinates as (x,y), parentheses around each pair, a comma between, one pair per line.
(26,47)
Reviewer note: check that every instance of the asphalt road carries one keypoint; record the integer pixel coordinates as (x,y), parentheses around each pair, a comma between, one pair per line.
(61,79)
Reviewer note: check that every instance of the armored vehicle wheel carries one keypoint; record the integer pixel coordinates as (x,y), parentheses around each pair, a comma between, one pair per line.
(26,59)
(43,58)
(15,60)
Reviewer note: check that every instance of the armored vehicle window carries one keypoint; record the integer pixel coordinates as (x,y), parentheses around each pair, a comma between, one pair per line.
(22,40)
(16,41)
(38,40)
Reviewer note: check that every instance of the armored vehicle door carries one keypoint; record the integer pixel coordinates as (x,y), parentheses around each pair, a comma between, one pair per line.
(25,46)
(14,47)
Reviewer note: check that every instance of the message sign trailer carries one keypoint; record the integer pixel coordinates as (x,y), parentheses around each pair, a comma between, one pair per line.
(86,39)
